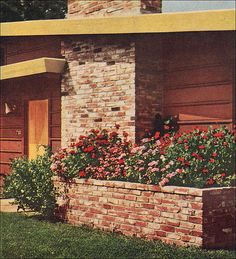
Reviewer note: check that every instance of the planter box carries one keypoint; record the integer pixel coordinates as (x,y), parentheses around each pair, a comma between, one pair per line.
(175,215)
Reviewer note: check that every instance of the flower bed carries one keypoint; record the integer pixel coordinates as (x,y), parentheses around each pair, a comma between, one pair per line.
(177,215)
(195,159)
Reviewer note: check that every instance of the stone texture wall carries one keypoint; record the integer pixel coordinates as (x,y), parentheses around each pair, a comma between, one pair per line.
(98,85)
(175,215)
(85,8)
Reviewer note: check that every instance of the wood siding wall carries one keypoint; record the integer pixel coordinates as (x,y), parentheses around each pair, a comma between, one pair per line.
(199,78)
(13,126)
(17,49)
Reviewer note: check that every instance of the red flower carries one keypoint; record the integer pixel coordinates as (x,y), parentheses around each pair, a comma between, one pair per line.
(212,160)
(181,159)
(187,163)
(82,137)
(94,131)
(186,147)
(167,135)
(218,135)
(88,149)
(194,154)
(113,134)
(72,152)
(179,171)
(223,174)
(79,144)
(82,174)
(121,161)
(125,134)
(201,147)
(100,136)
(204,137)
(157,135)
(117,126)
(185,141)
(210,181)
(214,154)
(205,170)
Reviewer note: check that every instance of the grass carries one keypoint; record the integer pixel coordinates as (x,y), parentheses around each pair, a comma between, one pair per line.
(28,237)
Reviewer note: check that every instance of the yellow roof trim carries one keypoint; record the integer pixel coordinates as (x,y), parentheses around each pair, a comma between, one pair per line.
(32,67)
(216,20)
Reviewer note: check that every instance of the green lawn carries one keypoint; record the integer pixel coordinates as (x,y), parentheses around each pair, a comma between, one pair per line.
(27,237)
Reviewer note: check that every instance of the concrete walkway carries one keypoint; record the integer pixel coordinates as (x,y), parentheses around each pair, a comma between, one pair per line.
(6,206)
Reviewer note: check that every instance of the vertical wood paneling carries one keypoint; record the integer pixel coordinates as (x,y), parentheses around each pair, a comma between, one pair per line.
(37,127)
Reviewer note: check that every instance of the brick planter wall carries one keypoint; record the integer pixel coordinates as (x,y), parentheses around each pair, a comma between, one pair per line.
(175,215)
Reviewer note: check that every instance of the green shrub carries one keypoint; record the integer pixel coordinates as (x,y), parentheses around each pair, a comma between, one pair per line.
(30,184)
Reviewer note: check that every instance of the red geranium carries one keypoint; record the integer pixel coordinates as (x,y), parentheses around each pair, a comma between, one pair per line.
(125,134)
(218,135)
(88,149)
(82,174)
(157,135)
(201,147)
(121,161)
(181,159)
(79,144)
(210,181)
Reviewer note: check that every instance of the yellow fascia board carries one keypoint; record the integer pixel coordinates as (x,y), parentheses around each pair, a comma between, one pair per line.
(32,67)
(216,20)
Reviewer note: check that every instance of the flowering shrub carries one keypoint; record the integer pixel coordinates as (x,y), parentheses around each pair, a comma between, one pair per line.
(198,158)
(201,158)
(100,155)
(146,163)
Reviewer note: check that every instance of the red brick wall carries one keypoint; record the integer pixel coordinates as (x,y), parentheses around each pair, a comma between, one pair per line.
(175,215)
(99,85)
(83,8)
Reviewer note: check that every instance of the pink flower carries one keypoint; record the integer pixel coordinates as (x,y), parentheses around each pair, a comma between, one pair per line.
(53,167)
(153,163)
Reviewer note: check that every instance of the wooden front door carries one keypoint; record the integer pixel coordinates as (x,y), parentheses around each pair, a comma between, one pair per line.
(37,127)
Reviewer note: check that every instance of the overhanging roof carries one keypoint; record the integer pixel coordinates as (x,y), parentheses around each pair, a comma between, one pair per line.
(217,20)
(32,67)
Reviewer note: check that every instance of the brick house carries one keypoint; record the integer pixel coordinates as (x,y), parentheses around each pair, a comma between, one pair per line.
(108,62)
